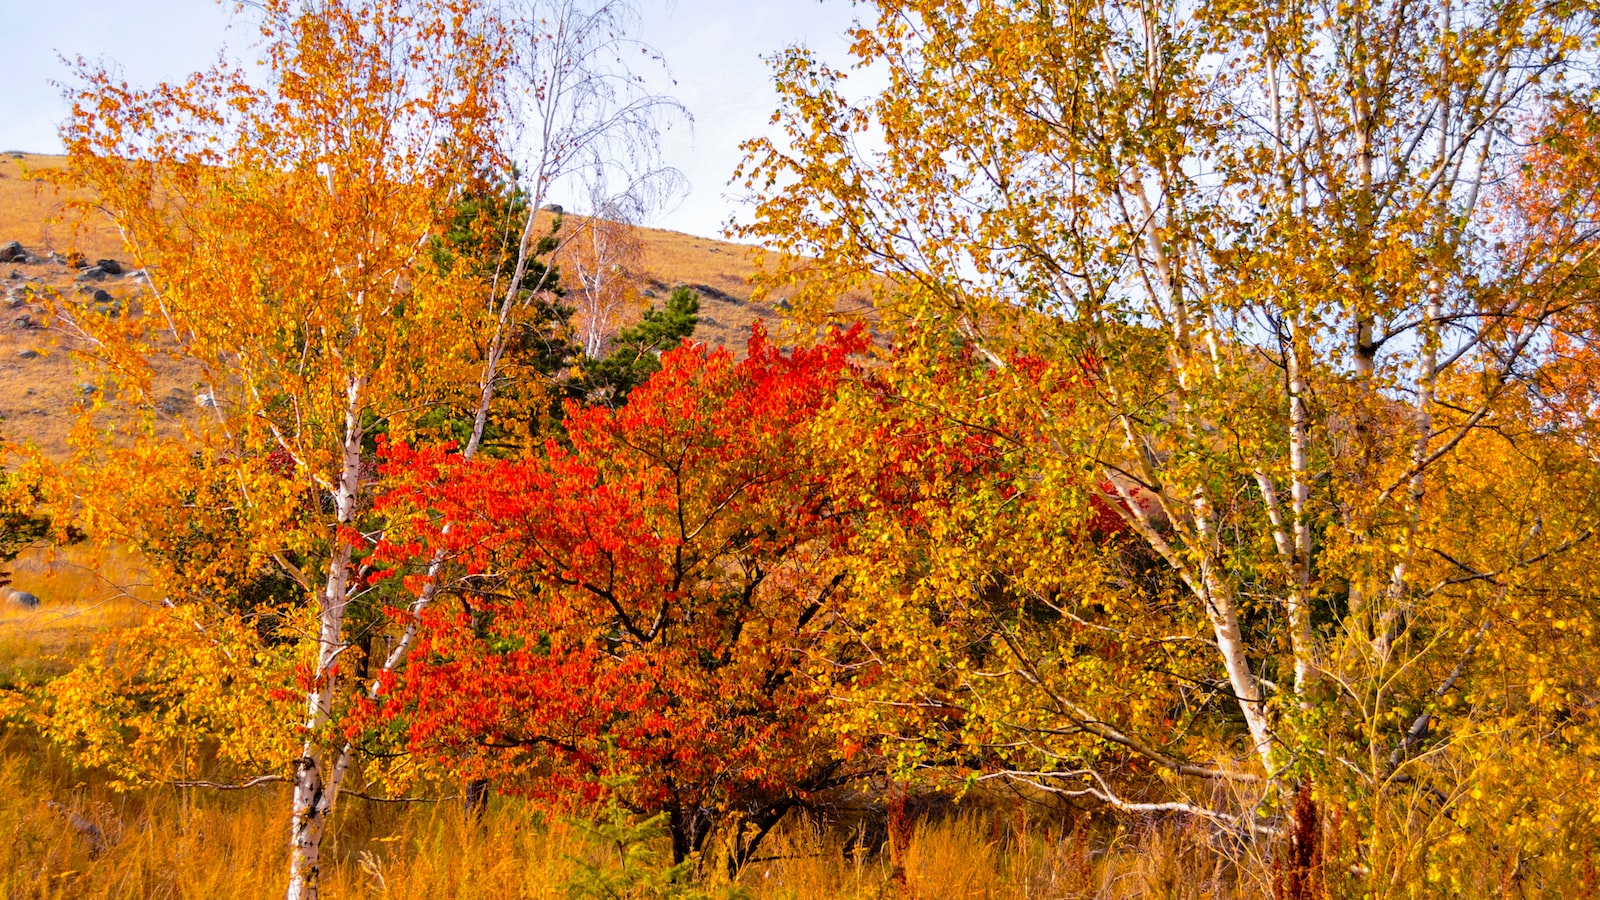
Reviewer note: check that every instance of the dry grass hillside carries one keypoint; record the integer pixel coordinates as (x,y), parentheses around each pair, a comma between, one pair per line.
(41,383)
(720,272)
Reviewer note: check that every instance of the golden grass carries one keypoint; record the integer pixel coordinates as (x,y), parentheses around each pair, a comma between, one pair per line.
(80,574)
(37,215)
(84,591)
(722,272)
(204,844)
(64,833)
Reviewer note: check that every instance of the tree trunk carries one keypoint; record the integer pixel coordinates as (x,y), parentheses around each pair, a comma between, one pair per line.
(475,800)
(1224,616)
(689,828)
(1299,596)
(314,795)
(310,823)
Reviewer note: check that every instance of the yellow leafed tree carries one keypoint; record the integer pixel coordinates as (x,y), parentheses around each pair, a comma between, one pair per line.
(342,248)
(1291,248)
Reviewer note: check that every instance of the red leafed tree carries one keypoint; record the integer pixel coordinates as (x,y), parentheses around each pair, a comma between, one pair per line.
(639,608)
(1549,211)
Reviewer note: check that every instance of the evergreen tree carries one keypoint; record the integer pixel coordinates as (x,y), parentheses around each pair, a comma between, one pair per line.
(636,353)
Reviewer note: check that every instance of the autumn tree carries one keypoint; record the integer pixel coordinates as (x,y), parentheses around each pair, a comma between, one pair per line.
(606,261)
(303,232)
(635,613)
(286,230)
(1277,229)
(1551,206)
(635,352)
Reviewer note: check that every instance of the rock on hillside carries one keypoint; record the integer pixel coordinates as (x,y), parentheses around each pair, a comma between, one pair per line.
(9,597)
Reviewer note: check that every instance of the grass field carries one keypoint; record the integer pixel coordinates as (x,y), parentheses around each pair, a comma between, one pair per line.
(68,836)
(85,592)
(36,215)
(66,833)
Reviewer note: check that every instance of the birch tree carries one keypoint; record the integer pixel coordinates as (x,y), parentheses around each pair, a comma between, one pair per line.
(605,262)
(290,227)
(1279,234)
(286,229)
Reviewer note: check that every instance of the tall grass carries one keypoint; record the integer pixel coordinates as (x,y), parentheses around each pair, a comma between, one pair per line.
(64,834)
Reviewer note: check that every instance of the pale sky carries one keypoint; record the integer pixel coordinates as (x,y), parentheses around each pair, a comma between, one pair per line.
(713,47)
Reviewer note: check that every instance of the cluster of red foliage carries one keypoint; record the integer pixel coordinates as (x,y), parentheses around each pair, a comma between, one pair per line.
(640,602)
(646,606)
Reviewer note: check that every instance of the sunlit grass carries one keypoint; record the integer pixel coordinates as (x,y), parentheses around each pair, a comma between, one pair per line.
(37,215)
(84,592)
(64,833)
(70,837)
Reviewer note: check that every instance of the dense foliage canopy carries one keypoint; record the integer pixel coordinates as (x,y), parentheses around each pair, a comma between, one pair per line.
(1220,443)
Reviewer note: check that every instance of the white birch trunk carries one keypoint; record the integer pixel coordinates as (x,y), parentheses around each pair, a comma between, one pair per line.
(480,419)
(1299,595)
(314,794)
(1221,611)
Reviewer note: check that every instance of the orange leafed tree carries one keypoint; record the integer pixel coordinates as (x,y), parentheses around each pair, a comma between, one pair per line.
(287,227)
(303,230)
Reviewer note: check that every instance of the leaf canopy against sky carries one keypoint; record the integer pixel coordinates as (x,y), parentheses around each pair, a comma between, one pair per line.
(713,48)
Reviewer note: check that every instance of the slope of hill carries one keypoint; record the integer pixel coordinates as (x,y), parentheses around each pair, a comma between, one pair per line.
(41,383)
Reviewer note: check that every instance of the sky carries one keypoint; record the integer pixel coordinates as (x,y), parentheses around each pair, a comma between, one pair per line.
(713,48)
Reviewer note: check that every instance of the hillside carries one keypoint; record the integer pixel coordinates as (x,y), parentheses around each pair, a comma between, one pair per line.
(41,383)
